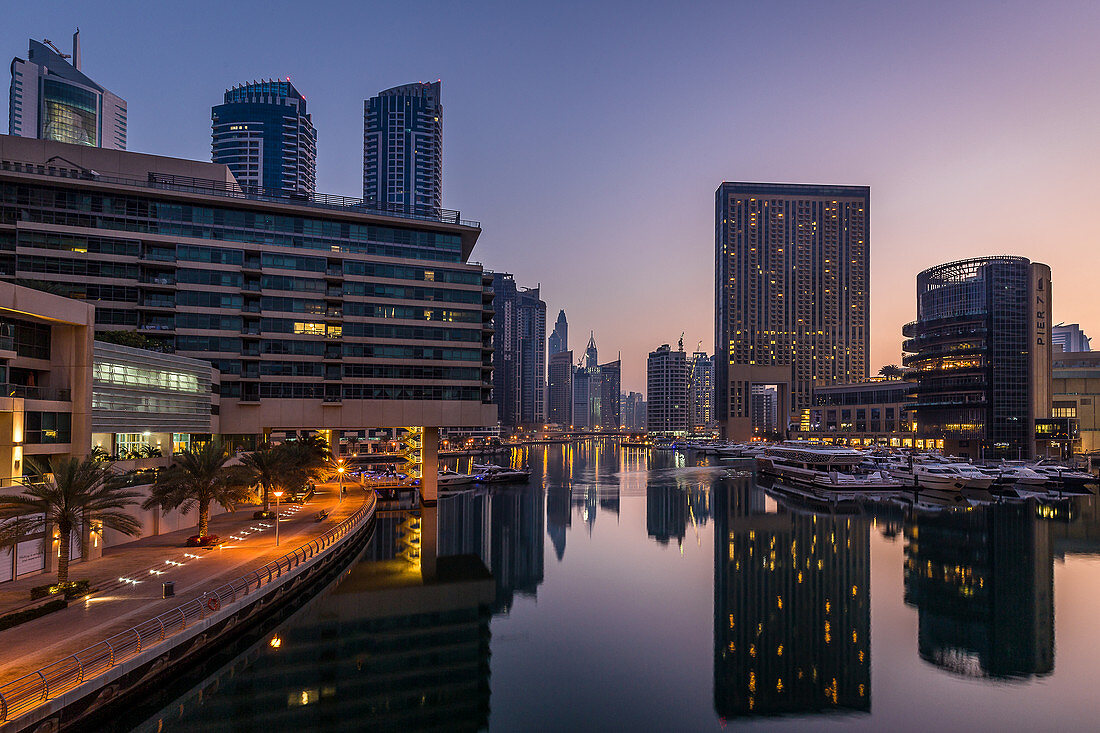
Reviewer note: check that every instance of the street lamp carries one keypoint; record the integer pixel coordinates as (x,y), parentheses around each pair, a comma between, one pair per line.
(340,472)
(277,495)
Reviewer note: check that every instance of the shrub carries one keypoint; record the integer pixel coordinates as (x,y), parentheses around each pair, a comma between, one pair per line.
(203,541)
(14,619)
(71,590)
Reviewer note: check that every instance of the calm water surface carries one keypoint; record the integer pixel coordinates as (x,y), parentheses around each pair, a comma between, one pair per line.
(626,590)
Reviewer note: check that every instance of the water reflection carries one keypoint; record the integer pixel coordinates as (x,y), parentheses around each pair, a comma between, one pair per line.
(982,581)
(792,610)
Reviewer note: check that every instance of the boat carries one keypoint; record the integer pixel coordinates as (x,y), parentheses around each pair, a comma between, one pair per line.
(448,478)
(943,476)
(490,474)
(1019,473)
(1065,476)
(820,466)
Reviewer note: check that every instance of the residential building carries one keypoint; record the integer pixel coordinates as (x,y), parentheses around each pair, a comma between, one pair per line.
(403,149)
(318,315)
(980,351)
(701,392)
(633,410)
(873,412)
(765,410)
(596,391)
(559,388)
(519,353)
(792,287)
(559,339)
(1070,338)
(667,407)
(263,133)
(51,98)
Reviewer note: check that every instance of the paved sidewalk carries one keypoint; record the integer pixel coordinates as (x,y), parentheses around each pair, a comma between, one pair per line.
(122,604)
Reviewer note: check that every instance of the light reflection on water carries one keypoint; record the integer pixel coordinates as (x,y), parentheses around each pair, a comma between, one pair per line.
(689,599)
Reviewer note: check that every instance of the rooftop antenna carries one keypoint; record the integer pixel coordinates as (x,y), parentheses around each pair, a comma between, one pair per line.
(76,49)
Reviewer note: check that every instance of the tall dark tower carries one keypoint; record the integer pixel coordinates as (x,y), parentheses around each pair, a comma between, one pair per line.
(403,148)
(792,294)
(559,339)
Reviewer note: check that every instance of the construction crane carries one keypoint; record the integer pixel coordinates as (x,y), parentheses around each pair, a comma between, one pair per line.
(57,50)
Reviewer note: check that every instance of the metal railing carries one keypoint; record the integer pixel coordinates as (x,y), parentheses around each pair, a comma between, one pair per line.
(208,187)
(29,691)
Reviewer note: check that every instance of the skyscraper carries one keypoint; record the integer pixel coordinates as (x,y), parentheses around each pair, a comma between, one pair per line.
(263,133)
(51,99)
(559,388)
(701,391)
(559,339)
(792,290)
(667,409)
(596,391)
(1070,337)
(403,148)
(519,353)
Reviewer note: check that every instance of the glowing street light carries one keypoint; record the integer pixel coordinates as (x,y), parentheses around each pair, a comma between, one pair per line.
(278,493)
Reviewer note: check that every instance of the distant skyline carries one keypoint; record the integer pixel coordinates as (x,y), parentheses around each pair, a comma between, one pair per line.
(589,138)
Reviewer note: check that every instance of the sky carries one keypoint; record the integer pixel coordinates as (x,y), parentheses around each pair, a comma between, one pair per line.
(588,138)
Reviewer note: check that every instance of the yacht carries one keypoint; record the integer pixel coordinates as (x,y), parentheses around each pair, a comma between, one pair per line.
(820,466)
(448,478)
(1018,473)
(943,476)
(1063,475)
(490,474)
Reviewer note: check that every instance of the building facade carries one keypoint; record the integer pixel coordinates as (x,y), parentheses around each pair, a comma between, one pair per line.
(403,148)
(874,412)
(317,316)
(559,339)
(264,135)
(1076,396)
(792,288)
(50,98)
(1070,338)
(667,407)
(596,391)
(559,388)
(519,353)
(633,411)
(980,351)
(701,392)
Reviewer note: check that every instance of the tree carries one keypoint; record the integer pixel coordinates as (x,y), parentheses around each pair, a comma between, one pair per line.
(267,468)
(198,478)
(891,371)
(73,494)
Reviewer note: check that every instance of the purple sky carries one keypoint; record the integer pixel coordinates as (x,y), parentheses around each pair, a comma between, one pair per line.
(588,138)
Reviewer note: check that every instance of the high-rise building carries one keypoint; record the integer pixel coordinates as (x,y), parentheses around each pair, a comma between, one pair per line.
(633,410)
(765,410)
(1070,337)
(792,289)
(51,99)
(596,391)
(519,353)
(980,353)
(559,388)
(318,316)
(701,392)
(264,134)
(403,148)
(667,409)
(559,339)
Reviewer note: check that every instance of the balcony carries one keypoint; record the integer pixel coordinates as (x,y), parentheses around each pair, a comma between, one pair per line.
(37,393)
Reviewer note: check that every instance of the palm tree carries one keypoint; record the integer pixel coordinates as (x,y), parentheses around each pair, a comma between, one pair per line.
(198,478)
(891,371)
(75,493)
(267,467)
(306,458)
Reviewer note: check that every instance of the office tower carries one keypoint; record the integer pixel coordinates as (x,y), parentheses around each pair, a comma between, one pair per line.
(264,134)
(667,408)
(1070,337)
(559,339)
(366,321)
(403,149)
(51,99)
(792,294)
(519,353)
(559,388)
(701,392)
(792,608)
(980,352)
(596,391)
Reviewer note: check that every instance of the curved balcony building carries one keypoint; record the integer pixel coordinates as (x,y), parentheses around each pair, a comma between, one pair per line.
(980,354)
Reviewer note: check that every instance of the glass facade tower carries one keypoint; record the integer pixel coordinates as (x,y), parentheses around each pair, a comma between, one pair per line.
(263,133)
(403,148)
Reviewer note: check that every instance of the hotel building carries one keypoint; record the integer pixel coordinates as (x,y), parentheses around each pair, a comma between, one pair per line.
(792,290)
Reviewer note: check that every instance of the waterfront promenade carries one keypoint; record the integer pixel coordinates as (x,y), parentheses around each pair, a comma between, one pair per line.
(119,604)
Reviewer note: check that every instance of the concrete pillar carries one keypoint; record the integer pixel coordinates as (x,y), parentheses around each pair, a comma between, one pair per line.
(429,473)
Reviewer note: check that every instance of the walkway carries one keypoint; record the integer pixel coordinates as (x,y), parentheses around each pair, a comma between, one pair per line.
(130,577)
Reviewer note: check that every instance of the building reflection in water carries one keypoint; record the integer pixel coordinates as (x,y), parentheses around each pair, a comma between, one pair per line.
(982,582)
(792,610)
